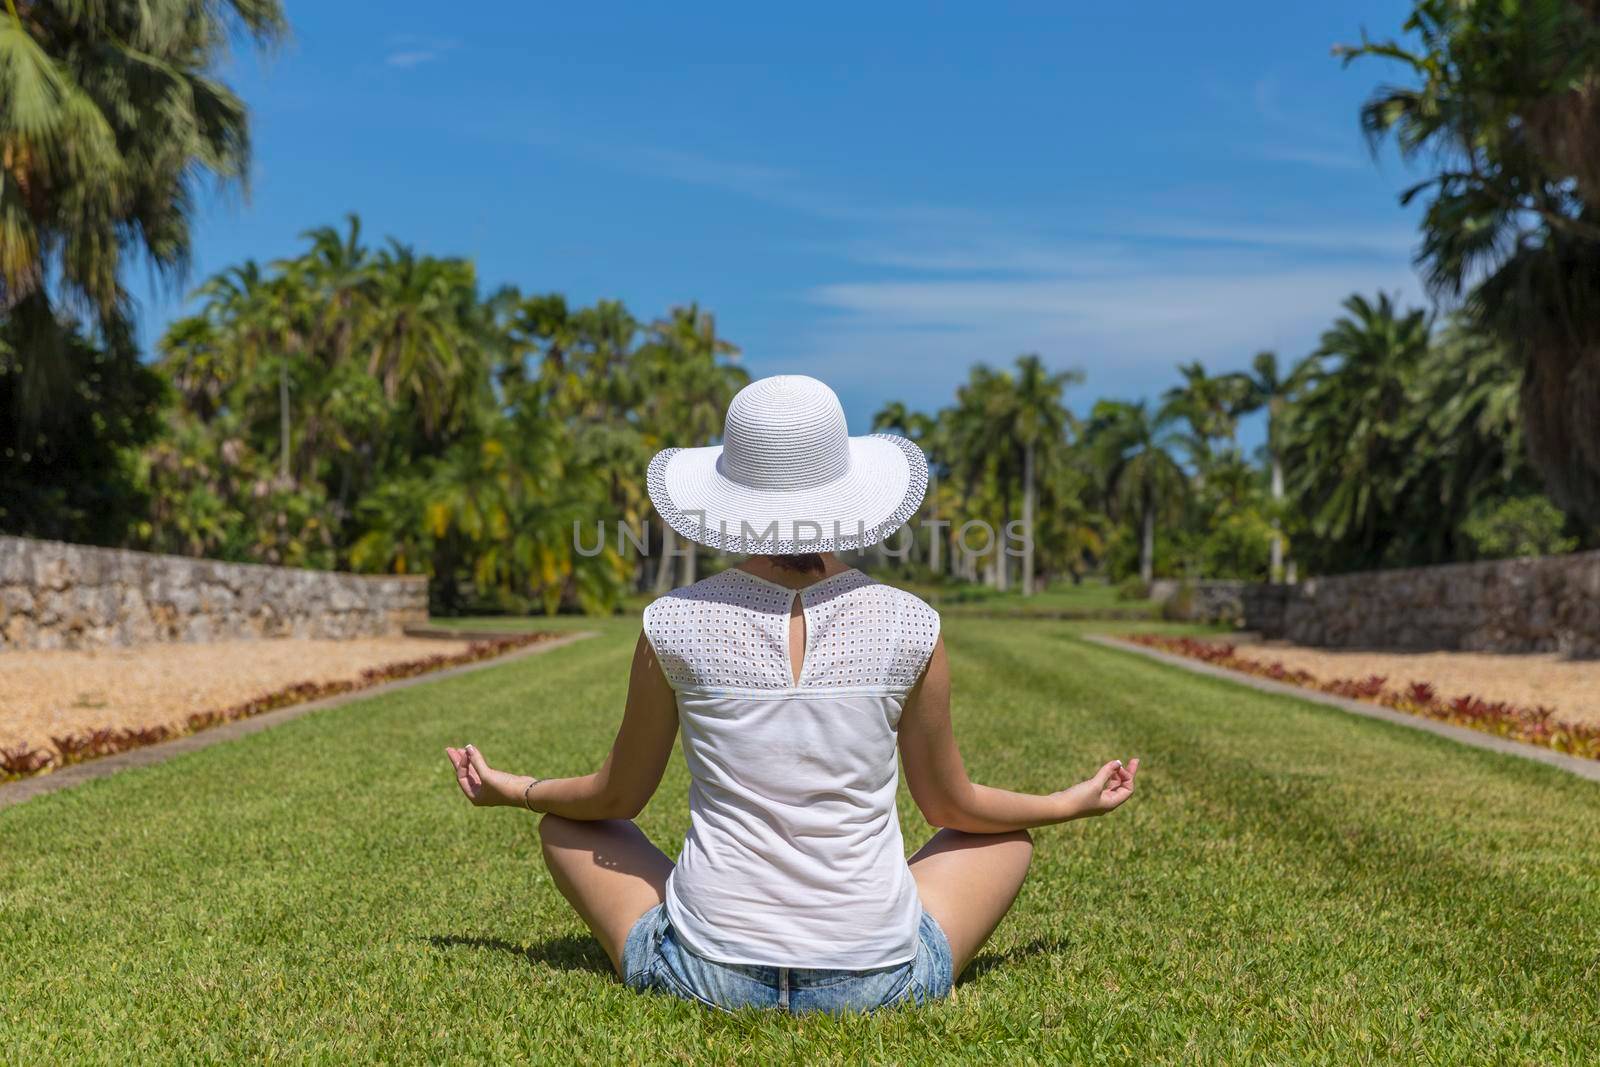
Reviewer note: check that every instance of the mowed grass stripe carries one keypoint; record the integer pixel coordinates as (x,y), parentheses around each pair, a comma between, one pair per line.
(1329,806)
(1350,798)
(1292,885)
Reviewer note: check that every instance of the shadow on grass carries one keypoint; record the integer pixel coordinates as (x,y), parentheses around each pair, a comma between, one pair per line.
(566,953)
(992,961)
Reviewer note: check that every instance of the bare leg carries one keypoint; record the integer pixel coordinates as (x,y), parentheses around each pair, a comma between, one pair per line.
(609,871)
(967,883)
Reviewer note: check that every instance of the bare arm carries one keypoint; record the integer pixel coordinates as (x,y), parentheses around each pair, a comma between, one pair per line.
(938,778)
(625,781)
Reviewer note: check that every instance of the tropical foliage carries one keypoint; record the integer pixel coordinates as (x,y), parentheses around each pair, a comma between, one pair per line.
(110,115)
(74,474)
(371,406)
(1398,441)
(1503,112)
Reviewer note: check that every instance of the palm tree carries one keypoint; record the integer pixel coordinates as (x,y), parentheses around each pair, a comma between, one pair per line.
(1211,407)
(1502,113)
(604,345)
(1470,451)
(341,271)
(893,417)
(499,508)
(338,278)
(687,378)
(984,403)
(476,462)
(421,343)
(915,426)
(1070,534)
(195,360)
(256,314)
(1264,387)
(1040,423)
(1146,481)
(1350,438)
(110,113)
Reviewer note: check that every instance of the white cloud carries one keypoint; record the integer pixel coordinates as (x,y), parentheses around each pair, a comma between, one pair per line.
(406,60)
(985,254)
(920,291)
(1126,299)
(1126,309)
(915,339)
(408,50)
(1156,315)
(1388,242)
(777,186)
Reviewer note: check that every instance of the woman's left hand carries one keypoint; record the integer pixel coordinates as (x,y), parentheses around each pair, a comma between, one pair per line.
(1103,793)
(481,783)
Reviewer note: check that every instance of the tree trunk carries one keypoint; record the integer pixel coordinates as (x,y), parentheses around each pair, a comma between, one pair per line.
(1027,520)
(934,538)
(1147,546)
(1276,568)
(689,564)
(283,419)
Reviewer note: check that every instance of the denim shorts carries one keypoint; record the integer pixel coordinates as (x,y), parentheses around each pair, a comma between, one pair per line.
(653,958)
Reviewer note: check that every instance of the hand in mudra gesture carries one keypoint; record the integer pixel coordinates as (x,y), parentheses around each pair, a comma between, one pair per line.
(481,783)
(1106,791)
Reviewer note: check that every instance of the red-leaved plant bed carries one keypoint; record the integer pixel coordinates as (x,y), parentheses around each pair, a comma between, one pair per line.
(21,761)
(1534,725)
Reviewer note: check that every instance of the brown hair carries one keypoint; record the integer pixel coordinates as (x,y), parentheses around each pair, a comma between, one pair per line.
(805,563)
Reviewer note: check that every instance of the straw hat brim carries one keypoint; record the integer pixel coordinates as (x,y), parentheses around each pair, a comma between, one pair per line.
(878,493)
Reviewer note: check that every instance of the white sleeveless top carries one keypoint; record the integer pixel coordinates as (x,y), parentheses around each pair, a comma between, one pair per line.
(794,856)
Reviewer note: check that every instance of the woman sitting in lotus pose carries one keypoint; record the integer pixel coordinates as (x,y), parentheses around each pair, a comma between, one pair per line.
(793,679)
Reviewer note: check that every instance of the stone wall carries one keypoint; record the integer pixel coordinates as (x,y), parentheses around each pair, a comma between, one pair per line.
(55,595)
(1544,604)
(1212,600)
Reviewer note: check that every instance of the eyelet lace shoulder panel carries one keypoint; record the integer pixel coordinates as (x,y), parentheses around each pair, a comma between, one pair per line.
(726,631)
(730,631)
(863,633)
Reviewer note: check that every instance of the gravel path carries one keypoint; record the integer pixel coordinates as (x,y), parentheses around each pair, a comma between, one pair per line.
(45,693)
(1572,687)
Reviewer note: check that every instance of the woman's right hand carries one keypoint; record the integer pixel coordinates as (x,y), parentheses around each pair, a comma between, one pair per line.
(1106,791)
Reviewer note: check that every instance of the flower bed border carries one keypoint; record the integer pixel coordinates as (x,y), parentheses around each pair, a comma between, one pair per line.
(1529,725)
(24,761)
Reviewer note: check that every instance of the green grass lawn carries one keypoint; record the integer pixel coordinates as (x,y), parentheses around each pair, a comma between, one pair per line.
(1091,598)
(1292,884)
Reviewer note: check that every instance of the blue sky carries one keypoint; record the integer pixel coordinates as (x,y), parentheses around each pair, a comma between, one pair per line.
(879,195)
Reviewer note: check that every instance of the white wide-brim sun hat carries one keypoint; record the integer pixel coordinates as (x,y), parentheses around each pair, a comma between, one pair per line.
(788,477)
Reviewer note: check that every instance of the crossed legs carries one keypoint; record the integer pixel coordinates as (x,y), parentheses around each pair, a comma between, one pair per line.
(611,874)
(967,883)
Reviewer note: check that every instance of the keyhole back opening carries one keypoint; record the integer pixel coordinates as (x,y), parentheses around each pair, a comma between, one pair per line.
(797,639)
